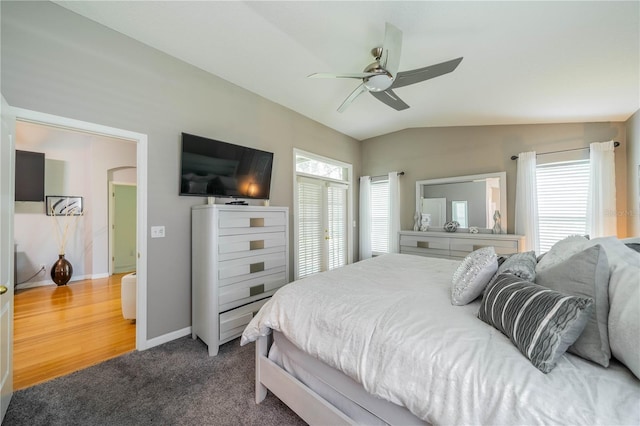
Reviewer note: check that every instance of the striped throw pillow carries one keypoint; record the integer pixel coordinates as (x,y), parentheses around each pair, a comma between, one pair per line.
(540,322)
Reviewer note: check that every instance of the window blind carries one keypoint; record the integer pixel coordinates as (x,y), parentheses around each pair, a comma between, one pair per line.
(380,216)
(337,224)
(562,200)
(310,232)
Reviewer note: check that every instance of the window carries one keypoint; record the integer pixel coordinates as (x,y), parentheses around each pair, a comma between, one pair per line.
(322,201)
(379,216)
(562,200)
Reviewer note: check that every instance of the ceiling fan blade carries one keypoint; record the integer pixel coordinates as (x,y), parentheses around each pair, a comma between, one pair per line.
(359,75)
(391,48)
(361,88)
(390,98)
(405,78)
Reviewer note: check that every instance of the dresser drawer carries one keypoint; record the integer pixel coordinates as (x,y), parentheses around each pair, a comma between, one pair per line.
(250,219)
(233,246)
(233,322)
(462,247)
(247,266)
(250,288)
(424,245)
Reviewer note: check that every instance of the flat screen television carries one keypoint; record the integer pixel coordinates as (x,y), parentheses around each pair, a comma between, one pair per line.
(213,168)
(29,178)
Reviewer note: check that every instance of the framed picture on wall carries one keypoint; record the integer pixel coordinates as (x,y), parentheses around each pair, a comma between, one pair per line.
(62,205)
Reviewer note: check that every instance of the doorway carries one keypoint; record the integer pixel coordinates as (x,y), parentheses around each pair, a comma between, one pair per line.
(122,227)
(140,141)
(322,213)
(75,165)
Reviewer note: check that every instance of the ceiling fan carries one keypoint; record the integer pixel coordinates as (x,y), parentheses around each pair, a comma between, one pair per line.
(381,76)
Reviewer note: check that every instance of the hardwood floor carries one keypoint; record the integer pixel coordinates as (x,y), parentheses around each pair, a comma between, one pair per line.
(59,330)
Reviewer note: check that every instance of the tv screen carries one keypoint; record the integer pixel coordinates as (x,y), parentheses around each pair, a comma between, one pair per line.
(213,168)
(29,184)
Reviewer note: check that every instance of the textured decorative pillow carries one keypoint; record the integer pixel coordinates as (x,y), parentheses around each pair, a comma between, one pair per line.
(562,250)
(473,275)
(624,302)
(585,274)
(540,322)
(522,265)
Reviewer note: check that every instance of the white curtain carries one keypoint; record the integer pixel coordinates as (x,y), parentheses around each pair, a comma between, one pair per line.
(394,211)
(527,201)
(601,204)
(365,217)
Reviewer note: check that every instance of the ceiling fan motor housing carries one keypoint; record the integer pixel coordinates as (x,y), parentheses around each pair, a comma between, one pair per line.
(379,82)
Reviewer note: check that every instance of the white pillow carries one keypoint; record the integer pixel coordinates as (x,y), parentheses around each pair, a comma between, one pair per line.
(561,251)
(473,275)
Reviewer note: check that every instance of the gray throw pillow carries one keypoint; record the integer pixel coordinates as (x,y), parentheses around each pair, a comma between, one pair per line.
(522,265)
(473,275)
(624,302)
(562,250)
(540,322)
(634,246)
(585,274)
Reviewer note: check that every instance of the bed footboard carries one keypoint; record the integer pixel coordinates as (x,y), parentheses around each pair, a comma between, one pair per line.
(310,406)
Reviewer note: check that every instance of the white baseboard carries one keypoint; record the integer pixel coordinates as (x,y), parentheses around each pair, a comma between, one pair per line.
(49,282)
(25,286)
(98,276)
(165,338)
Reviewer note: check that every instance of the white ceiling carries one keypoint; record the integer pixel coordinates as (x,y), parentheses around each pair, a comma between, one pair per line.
(524,62)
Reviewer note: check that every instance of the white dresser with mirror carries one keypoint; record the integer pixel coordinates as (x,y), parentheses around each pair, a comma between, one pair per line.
(474,201)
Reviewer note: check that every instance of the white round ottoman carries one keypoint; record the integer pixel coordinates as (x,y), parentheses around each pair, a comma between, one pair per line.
(128,296)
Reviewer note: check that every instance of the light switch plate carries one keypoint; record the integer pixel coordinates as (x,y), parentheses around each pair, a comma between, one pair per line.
(157,232)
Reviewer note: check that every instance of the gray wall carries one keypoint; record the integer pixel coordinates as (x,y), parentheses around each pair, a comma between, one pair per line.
(437,152)
(56,62)
(632,212)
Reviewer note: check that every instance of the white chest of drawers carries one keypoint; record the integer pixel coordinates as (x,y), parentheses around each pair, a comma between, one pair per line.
(239,258)
(454,245)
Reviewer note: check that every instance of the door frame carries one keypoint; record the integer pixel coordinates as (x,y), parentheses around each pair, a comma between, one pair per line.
(141,141)
(7,272)
(111,219)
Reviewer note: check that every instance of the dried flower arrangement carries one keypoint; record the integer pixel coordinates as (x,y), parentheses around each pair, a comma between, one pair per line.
(66,213)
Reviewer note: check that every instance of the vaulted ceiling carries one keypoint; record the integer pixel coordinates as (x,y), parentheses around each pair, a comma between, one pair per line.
(524,62)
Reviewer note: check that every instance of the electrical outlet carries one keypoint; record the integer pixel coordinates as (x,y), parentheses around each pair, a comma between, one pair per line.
(157,232)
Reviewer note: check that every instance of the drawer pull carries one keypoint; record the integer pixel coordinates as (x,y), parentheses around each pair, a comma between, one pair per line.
(256,245)
(256,222)
(256,289)
(256,267)
(423,244)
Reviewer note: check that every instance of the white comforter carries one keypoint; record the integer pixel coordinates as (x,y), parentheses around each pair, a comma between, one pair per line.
(388,323)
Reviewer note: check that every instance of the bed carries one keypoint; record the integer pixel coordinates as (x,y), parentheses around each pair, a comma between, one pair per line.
(380,342)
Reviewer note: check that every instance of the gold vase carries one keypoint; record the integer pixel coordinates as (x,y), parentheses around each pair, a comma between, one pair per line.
(61,271)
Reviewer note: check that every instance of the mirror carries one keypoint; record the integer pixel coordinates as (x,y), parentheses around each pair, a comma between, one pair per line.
(475,200)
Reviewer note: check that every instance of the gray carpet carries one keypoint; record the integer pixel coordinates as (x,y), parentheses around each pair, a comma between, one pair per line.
(172,384)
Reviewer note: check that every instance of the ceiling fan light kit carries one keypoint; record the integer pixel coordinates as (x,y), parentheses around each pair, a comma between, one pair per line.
(381,76)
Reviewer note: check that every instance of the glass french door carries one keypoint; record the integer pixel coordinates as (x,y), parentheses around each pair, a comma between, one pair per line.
(322,225)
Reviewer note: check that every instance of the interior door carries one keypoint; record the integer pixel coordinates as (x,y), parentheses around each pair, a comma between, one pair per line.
(7,154)
(124,228)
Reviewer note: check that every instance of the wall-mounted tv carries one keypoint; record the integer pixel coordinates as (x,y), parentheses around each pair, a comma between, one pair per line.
(29,183)
(212,168)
